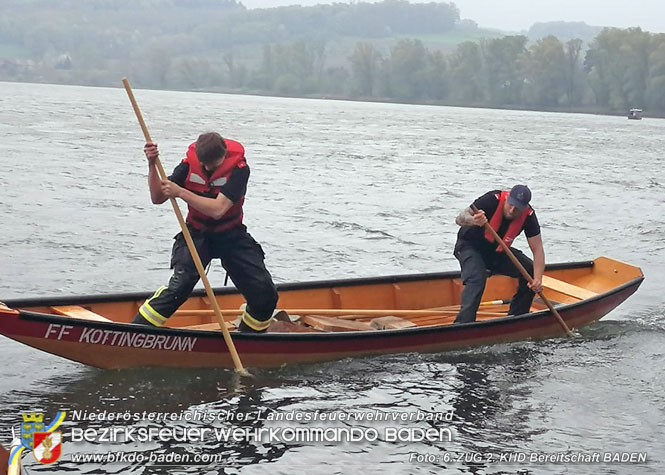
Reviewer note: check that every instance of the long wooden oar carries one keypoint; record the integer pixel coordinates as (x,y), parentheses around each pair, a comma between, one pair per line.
(523,271)
(190,242)
(341,311)
(331,312)
(322,311)
(487,303)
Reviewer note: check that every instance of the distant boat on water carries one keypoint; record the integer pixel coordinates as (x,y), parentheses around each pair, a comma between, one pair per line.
(635,114)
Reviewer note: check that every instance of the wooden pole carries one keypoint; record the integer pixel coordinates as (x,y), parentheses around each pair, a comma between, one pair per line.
(332,312)
(523,271)
(190,242)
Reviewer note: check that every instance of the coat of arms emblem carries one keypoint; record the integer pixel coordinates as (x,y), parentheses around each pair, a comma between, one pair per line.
(48,446)
(31,423)
(44,441)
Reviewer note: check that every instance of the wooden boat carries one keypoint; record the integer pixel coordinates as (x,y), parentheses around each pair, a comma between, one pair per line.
(327,319)
(4,460)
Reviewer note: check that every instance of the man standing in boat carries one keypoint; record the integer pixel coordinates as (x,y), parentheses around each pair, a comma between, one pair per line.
(509,214)
(212,180)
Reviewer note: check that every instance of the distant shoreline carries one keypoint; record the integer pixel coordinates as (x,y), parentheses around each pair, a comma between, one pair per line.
(564,110)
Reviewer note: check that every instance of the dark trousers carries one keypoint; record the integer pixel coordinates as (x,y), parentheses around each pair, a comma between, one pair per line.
(474,267)
(241,256)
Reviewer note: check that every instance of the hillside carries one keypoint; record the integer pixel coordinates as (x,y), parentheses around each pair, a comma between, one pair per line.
(96,41)
(391,51)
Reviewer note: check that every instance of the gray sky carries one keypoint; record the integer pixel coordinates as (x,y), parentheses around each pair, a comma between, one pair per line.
(516,15)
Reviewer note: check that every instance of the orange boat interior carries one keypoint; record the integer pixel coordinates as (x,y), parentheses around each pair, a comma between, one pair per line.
(377,306)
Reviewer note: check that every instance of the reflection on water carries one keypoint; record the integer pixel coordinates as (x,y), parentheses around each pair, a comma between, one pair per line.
(486,398)
(340,190)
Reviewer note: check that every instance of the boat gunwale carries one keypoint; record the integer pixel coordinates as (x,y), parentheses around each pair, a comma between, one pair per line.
(315,284)
(309,336)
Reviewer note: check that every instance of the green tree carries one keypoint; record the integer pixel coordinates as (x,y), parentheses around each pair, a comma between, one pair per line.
(504,75)
(264,78)
(545,68)
(158,64)
(596,67)
(465,73)
(437,78)
(618,62)
(572,51)
(655,93)
(237,73)
(408,75)
(191,73)
(365,62)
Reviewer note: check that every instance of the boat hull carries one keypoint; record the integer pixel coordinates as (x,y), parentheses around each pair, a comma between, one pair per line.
(124,345)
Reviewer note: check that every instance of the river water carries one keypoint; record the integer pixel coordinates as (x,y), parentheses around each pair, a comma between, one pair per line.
(339,189)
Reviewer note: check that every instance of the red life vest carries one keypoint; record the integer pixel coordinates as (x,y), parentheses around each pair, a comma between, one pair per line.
(198,182)
(515,227)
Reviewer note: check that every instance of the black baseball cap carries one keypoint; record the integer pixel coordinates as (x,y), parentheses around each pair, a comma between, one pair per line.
(519,196)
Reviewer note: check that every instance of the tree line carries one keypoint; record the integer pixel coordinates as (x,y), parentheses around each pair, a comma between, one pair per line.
(380,51)
(620,69)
